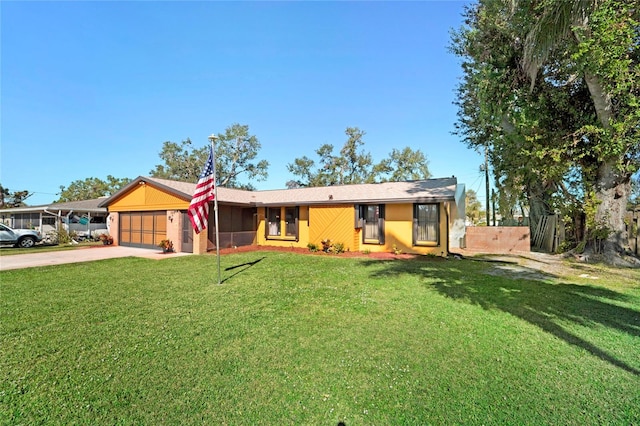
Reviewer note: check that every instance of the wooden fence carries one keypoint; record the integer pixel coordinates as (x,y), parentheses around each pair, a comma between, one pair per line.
(549,233)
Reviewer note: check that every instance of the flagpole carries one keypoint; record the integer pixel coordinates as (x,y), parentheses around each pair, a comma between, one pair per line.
(213,138)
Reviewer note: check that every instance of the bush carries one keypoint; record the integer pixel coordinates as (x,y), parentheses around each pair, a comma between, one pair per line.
(52,237)
(326,245)
(566,246)
(100,235)
(64,237)
(337,248)
(106,239)
(166,245)
(312,247)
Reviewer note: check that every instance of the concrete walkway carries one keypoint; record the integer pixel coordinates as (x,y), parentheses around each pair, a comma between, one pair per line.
(29,260)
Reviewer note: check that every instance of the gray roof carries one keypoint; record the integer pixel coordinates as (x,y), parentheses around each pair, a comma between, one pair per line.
(88,206)
(430,190)
(185,190)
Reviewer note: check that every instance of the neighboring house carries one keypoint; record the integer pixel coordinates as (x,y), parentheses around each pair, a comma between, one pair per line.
(425,217)
(84,217)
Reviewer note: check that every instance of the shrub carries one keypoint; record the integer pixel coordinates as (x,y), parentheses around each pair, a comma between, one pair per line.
(166,245)
(326,245)
(312,247)
(566,246)
(95,234)
(60,237)
(106,239)
(52,237)
(64,237)
(337,248)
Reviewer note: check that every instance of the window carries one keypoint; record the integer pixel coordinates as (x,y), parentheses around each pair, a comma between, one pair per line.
(273,229)
(371,221)
(290,222)
(426,224)
(279,218)
(49,220)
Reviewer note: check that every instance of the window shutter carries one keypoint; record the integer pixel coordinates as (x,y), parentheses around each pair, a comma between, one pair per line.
(415,225)
(381,223)
(297,213)
(266,223)
(358,221)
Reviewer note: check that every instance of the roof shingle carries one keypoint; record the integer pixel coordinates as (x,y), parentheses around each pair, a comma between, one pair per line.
(430,190)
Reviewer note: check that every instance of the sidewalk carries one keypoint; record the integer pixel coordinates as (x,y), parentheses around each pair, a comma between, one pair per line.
(29,260)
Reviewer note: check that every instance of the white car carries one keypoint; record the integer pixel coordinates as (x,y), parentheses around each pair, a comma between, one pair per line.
(23,238)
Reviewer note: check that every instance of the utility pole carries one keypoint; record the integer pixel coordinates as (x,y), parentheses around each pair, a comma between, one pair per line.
(486,178)
(493,206)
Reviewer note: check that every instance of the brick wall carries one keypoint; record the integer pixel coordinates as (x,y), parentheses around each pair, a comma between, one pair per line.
(498,239)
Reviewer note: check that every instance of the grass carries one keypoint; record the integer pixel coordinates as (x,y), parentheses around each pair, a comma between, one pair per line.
(298,339)
(43,247)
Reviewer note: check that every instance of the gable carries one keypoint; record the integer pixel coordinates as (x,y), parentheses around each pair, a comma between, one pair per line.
(144,197)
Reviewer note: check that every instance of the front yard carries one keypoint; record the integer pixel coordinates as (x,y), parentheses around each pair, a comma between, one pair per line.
(297,339)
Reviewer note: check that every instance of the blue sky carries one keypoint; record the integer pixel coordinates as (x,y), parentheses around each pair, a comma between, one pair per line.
(91,89)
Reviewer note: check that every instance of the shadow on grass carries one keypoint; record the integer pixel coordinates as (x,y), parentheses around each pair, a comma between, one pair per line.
(544,305)
(244,267)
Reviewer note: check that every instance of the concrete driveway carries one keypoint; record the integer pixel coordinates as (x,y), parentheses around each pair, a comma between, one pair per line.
(29,260)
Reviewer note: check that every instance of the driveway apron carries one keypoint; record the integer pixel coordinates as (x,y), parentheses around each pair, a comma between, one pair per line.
(29,260)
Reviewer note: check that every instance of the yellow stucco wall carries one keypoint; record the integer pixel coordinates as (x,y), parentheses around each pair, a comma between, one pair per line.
(335,223)
(147,198)
(398,229)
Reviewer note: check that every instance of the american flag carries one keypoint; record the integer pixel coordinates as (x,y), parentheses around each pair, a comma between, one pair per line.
(199,206)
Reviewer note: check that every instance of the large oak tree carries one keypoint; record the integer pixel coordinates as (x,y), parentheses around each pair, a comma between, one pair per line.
(550,88)
(352,165)
(9,199)
(91,188)
(236,157)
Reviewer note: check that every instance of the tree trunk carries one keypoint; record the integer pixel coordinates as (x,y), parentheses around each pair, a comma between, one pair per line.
(612,187)
(601,100)
(612,192)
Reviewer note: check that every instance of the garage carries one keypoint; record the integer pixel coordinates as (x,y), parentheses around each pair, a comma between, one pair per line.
(142,229)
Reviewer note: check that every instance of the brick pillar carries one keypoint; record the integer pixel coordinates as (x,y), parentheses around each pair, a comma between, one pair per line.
(174,230)
(114,227)
(200,242)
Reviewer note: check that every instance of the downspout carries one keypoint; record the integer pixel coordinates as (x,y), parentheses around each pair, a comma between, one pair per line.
(68,215)
(447,215)
(68,218)
(57,216)
(51,213)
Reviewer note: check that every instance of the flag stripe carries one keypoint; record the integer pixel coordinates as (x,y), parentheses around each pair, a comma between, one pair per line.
(204,192)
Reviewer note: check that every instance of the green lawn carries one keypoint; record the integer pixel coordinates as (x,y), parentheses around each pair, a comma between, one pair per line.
(44,247)
(315,340)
